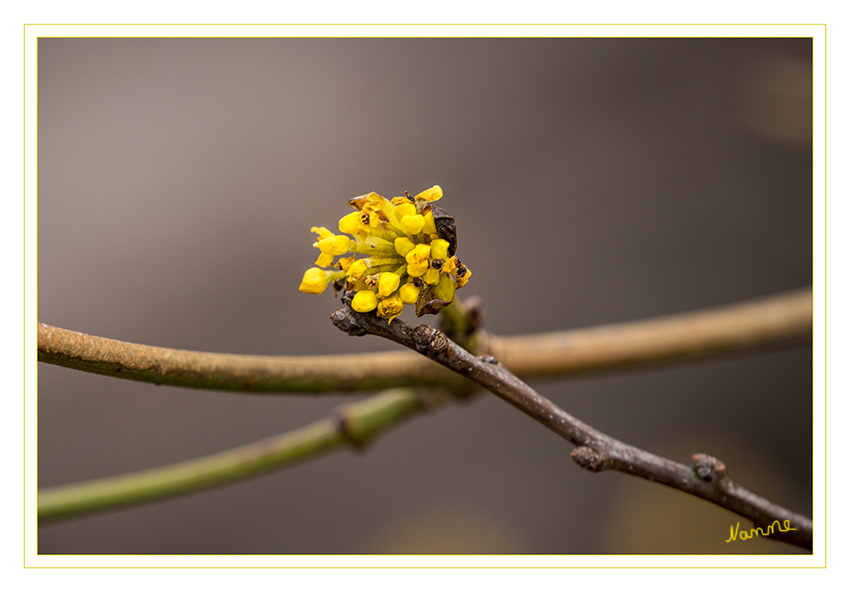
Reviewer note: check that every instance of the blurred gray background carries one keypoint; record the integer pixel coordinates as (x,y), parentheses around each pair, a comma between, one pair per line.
(593,181)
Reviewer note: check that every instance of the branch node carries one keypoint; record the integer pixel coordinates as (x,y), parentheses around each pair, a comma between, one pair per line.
(429,341)
(707,467)
(348,430)
(488,359)
(587,458)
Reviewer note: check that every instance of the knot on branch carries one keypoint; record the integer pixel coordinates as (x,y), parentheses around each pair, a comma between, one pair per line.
(348,428)
(708,468)
(430,341)
(587,458)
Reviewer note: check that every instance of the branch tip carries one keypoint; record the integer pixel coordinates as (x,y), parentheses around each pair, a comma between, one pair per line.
(345,321)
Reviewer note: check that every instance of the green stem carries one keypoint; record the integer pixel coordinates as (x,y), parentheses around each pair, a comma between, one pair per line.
(387,250)
(354,424)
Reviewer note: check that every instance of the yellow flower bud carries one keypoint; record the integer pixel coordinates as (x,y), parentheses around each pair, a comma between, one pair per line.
(364,301)
(409,293)
(432,194)
(403,245)
(439,248)
(350,223)
(387,283)
(315,281)
(335,245)
(412,224)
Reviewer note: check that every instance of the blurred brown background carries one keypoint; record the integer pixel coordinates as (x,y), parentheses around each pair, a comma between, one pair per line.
(593,180)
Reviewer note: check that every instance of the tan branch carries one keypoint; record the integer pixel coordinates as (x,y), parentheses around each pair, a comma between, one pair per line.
(777,320)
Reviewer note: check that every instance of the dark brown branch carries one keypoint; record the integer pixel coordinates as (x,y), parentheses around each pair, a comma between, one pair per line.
(777,320)
(596,451)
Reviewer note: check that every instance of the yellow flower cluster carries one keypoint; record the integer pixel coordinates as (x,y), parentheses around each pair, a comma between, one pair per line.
(410,255)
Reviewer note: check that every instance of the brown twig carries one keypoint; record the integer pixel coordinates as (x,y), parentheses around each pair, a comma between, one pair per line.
(596,451)
(777,320)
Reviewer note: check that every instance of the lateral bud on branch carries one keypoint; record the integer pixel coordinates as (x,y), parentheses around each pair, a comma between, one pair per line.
(430,341)
(587,458)
(707,467)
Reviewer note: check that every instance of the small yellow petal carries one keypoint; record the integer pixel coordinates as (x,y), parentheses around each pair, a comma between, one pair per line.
(409,293)
(419,253)
(403,245)
(417,268)
(449,266)
(432,194)
(321,231)
(417,260)
(364,301)
(412,224)
(439,248)
(345,263)
(404,209)
(430,227)
(325,260)
(387,284)
(432,276)
(463,279)
(400,200)
(315,281)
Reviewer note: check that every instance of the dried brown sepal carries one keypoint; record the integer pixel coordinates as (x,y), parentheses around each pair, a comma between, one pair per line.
(357,202)
(446,227)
